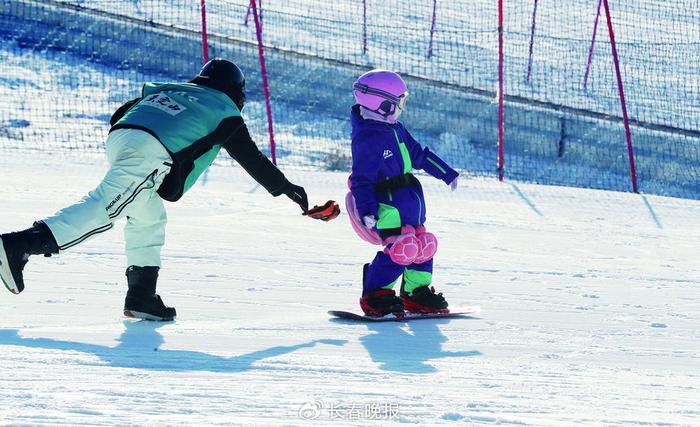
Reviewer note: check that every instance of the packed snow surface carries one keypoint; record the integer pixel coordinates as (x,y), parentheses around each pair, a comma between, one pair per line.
(589,301)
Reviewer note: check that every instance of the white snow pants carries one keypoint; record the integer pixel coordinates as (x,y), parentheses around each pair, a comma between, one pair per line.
(138,164)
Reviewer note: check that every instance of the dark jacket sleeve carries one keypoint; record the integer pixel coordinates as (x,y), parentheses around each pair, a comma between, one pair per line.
(423,158)
(242,148)
(122,110)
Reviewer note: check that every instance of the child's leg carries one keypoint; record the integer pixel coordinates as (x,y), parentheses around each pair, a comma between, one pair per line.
(379,277)
(382,272)
(417,294)
(417,275)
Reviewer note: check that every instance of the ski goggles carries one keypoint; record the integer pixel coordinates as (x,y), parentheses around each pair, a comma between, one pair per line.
(402,101)
(399,101)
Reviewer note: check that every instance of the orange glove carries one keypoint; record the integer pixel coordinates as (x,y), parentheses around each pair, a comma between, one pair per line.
(326,212)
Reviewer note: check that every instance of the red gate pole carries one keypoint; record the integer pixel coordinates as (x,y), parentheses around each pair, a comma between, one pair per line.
(364,27)
(501,160)
(590,49)
(266,86)
(247,14)
(628,134)
(432,30)
(532,41)
(205,45)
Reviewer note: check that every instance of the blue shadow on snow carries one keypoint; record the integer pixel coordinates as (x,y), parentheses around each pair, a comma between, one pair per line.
(139,347)
(399,350)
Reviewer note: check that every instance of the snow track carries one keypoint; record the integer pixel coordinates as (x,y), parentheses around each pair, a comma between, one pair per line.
(589,301)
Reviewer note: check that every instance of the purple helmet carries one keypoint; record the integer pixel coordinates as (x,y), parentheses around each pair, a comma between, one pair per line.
(383,92)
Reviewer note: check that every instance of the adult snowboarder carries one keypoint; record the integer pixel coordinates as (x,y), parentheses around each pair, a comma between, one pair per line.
(158,145)
(389,199)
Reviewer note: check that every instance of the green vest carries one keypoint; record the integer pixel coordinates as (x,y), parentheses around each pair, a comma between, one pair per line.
(180,114)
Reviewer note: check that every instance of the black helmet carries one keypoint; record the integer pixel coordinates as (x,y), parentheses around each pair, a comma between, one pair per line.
(224,76)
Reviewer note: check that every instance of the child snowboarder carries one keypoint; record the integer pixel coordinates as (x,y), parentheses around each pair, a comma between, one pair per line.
(389,200)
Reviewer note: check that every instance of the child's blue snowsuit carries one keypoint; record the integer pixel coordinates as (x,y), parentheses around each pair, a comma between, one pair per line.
(387,153)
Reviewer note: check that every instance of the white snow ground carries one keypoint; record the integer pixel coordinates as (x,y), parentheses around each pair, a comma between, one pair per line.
(589,301)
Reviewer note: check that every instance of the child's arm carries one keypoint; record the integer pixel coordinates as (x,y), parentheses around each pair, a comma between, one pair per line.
(366,164)
(430,162)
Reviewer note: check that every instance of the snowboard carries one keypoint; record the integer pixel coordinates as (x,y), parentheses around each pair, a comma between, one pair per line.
(347,315)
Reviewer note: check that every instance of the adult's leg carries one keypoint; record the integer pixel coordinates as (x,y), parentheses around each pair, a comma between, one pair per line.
(144,233)
(138,164)
(15,249)
(144,236)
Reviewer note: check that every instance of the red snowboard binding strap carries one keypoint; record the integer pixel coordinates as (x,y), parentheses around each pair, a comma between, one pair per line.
(326,212)
(415,307)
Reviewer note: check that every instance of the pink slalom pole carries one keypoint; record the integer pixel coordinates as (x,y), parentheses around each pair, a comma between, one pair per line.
(432,30)
(590,49)
(266,86)
(364,27)
(247,15)
(205,44)
(628,134)
(501,160)
(532,41)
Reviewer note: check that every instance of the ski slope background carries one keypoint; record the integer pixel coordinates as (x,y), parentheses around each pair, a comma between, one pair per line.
(657,43)
(589,300)
(589,311)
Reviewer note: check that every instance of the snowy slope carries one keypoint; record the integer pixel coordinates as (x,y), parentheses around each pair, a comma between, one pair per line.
(589,300)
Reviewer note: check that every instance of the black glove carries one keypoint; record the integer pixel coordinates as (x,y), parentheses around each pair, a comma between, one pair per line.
(298,195)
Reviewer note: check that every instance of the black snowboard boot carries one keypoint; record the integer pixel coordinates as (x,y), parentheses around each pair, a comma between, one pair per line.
(424,300)
(15,249)
(141,301)
(380,302)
